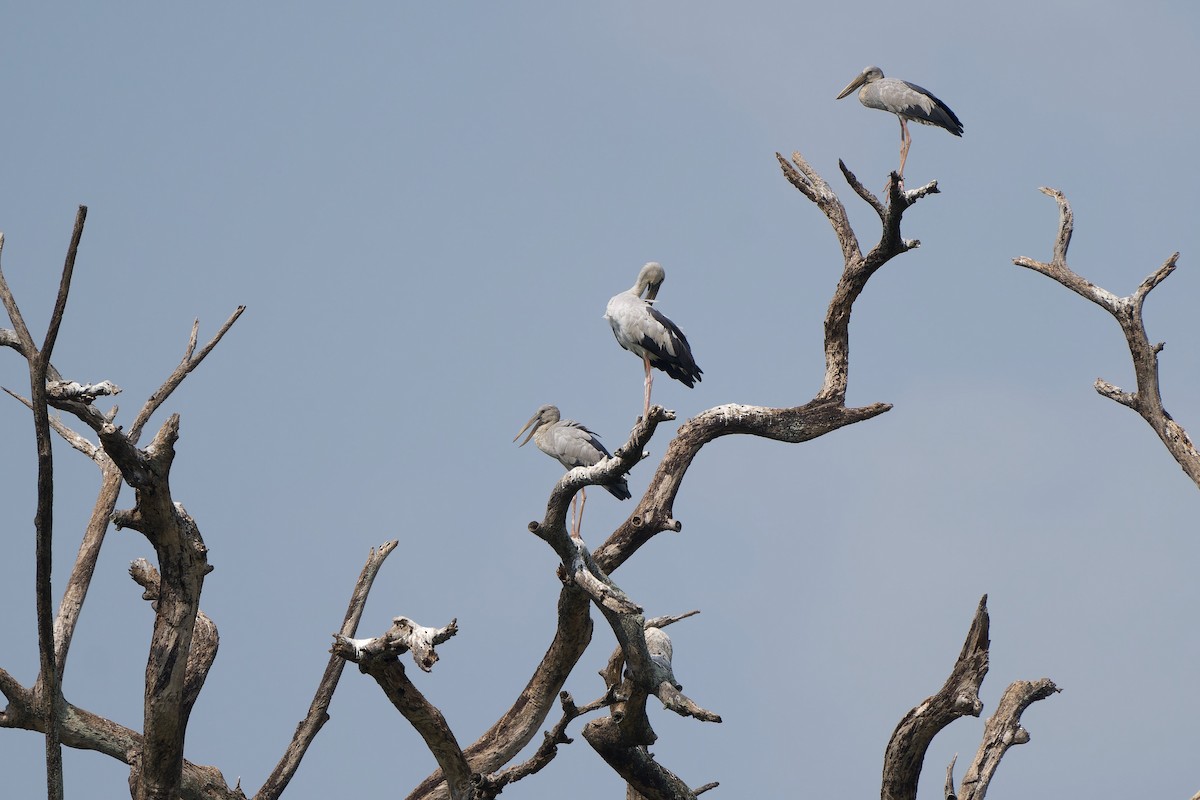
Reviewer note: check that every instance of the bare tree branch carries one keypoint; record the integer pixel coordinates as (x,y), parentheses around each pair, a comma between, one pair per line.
(39,369)
(20,338)
(318,710)
(205,640)
(77,399)
(824,413)
(190,361)
(84,730)
(670,619)
(635,764)
(642,666)
(1127,311)
(77,441)
(858,268)
(545,753)
(377,657)
(1002,731)
(182,561)
(102,513)
(649,671)
(958,696)
(89,553)
(509,735)
(403,636)
(654,512)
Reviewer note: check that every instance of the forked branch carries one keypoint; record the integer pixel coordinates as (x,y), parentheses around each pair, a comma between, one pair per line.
(493,784)
(827,411)
(517,727)
(378,657)
(1146,400)
(959,696)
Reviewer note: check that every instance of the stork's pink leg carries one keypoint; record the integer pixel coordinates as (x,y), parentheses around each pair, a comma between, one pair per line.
(579,519)
(574,517)
(648,383)
(905,141)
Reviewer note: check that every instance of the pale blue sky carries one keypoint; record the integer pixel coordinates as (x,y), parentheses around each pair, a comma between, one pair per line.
(425,208)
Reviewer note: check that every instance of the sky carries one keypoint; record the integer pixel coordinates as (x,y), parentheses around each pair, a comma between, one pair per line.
(425,208)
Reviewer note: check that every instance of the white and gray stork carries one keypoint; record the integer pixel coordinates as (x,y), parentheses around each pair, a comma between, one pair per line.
(574,446)
(905,100)
(644,331)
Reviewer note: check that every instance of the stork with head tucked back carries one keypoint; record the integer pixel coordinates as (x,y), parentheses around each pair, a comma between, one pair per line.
(642,330)
(905,100)
(574,446)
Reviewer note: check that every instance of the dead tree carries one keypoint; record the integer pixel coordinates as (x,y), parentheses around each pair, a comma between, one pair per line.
(641,668)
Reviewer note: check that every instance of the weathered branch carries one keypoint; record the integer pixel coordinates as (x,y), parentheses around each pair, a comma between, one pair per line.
(191,359)
(377,657)
(84,730)
(182,562)
(959,696)
(38,360)
(77,398)
(622,737)
(80,392)
(649,669)
(318,711)
(509,735)
(71,604)
(1002,731)
(106,500)
(634,764)
(205,640)
(553,527)
(76,440)
(823,414)
(493,784)
(648,655)
(654,512)
(403,636)
(1146,400)
(39,365)
(857,268)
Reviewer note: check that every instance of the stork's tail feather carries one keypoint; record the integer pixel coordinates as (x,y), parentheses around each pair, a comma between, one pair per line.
(681,369)
(619,490)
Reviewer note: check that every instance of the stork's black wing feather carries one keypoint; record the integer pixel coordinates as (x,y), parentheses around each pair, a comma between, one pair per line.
(679,364)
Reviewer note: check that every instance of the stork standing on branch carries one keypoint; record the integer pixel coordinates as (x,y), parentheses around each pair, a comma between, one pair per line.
(905,100)
(574,446)
(642,330)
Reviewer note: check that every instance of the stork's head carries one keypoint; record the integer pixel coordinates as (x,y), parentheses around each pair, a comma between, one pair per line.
(866,76)
(649,280)
(546,415)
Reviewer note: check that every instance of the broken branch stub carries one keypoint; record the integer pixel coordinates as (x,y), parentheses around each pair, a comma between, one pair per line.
(403,636)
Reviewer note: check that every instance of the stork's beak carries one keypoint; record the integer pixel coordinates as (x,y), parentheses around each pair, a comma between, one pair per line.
(528,425)
(854,84)
(652,291)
